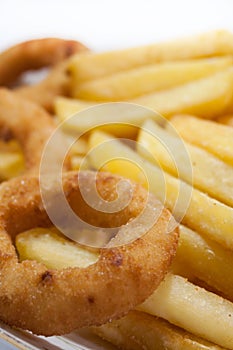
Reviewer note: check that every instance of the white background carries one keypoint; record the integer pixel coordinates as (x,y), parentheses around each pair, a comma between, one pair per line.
(107,24)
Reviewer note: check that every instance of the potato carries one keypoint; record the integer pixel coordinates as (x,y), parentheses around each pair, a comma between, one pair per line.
(120,119)
(225,119)
(138,331)
(209,135)
(198,311)
(49,247)
(158,144)
(143,80)
(205,260)
(206,97)
(196,209)
(89,66)
(11,164)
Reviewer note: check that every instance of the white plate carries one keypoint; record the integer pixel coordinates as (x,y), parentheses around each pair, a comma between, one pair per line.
(11,339)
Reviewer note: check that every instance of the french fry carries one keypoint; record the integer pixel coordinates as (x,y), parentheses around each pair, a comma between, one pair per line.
(206,260)
(209,135)
(207,97)
(146,79)
(196,310)
(111,118)
(202,213)
(49,247)
(138,331)
(92,66)
(11,164)
(225,119)
(154,140)
(65,107)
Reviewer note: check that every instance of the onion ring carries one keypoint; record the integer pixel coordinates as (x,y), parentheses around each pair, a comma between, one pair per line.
(35,54)
(52,302)
(28,123)
(57,83)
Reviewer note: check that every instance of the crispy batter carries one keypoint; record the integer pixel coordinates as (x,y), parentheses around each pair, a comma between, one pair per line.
(58,301)
(57,83)
(35,54)
(27,122)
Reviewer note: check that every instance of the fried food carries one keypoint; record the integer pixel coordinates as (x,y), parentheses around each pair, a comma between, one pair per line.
(194,309)
(34,54)
(204,164)
(57,301)
(28,123)
(91,67)
(138,330)
(225,119)
(147,79)
(195,208)
(51,248)
(209,135)
(206,260)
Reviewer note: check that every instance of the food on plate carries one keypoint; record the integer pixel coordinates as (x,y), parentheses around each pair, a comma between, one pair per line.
(176,300)
(34,54)
(208,97)
(139,330)
(195,208)
(225,119)
(38,243)
(93,66)
(28,123)
(12,160)
(181,289)
(120,119)
(213,137)
(206,260)
(59,301)
(160,141)
(57,83)
(146,79)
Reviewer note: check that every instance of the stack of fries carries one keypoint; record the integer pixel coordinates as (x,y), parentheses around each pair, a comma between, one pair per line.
(190,82)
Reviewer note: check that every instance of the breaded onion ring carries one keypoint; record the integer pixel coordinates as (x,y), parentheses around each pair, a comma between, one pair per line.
(35,54)
(57,83)
(58,301)
(28,123)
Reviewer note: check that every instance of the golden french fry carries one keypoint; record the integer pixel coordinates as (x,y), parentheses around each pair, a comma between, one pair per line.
(146,79)
(164,146)
(49,247)
(198,311)
(66,107)
(207,97)
(209,135)
(225,119)
(119,119)
(138,331)
(203,213)
(206,260)
(90,66)
(11,164)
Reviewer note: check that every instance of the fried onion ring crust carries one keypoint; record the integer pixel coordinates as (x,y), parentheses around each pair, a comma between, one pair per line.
(35,54)
(52,302)
(28,123)
(57,83)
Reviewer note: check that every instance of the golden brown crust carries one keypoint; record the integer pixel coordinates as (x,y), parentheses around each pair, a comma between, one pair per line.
(58,301)
(27,122)
(35,54)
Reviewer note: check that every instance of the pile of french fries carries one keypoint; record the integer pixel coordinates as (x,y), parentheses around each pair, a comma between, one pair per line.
(190,82)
